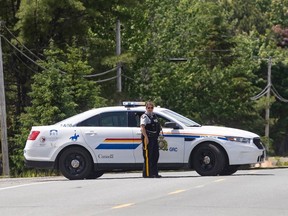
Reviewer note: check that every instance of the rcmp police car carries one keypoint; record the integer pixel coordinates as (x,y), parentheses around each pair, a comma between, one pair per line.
(107,139)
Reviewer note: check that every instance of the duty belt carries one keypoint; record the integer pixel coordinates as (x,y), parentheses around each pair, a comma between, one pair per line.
(151,133)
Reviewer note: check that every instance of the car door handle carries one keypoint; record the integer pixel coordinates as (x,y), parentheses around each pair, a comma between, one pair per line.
(90,133)
(138,133)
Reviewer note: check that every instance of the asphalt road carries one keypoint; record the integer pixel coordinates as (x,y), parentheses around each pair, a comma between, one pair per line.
(262,192)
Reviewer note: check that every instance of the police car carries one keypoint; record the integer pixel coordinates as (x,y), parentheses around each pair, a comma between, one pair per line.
(108,139)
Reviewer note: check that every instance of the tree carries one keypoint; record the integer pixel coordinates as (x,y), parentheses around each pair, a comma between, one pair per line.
(226,44)
(277,49)
(85,24)
(91,22)
(216,83)
(58,92)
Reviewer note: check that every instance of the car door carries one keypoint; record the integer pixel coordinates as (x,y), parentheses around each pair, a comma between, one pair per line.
(110,137)
(134,124)
(174,154)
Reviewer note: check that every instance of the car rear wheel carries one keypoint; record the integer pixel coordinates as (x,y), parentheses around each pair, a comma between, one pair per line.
(208,160)
(75,163)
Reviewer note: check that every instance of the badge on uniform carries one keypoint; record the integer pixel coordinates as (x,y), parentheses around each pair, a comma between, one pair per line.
(162,143)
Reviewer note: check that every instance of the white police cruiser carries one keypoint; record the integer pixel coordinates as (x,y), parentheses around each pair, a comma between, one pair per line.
(109,138)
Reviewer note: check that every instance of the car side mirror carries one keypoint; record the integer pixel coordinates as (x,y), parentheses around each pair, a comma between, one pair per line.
(171,125)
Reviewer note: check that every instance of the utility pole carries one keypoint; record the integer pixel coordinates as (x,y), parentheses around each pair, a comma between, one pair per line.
(267,90)
(118,52)
(267,113)
(4,143)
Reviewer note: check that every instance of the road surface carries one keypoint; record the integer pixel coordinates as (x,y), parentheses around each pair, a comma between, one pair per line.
(262,192)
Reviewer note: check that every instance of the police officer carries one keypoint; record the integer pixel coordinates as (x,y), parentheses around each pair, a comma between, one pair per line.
(150,129)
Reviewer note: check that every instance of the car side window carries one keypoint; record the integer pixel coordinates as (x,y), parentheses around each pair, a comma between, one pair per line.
(113,119)
(90,122)
(162,120)
(108,119)
(134,119)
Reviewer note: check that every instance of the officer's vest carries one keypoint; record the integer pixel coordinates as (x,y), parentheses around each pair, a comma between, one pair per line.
(154,126)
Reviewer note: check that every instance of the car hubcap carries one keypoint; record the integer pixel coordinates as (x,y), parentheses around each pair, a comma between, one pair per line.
(206,160)
(75,163)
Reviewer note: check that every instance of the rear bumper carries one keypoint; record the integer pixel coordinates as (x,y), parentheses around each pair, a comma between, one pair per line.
(40,164)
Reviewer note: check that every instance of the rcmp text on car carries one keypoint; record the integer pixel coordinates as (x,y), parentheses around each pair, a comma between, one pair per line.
(109,138)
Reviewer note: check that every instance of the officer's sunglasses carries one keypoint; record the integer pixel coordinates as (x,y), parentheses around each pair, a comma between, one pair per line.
(150,107)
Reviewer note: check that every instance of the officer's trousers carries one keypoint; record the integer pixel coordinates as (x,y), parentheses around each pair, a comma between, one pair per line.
(151,156)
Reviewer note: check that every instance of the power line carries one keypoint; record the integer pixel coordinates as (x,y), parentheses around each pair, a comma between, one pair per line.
(105,80)
(262,93)
(24,63)
(100,74)
(269,87)
(128,77)
(22,44)
(85,76)
(267,91)
(26,55)
(278,95)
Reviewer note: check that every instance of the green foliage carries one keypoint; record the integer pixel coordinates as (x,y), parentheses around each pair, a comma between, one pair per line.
(39,21)
(58,92)
(61,90)
(226,44)
(216,83)
(268,143)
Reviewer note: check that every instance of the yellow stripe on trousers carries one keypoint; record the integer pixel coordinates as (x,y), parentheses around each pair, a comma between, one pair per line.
(146,157)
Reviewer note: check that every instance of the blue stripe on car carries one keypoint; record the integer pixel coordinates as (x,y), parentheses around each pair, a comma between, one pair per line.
(181,135)
(190,136)
(117,146)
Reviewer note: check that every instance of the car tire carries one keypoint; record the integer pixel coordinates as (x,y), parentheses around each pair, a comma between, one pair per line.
(95,174)
(230,169)
(75,163)
(208,160)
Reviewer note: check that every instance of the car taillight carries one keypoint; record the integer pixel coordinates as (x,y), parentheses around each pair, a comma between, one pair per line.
(33,135)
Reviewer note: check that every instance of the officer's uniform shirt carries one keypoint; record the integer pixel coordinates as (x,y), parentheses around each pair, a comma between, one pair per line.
(145,119)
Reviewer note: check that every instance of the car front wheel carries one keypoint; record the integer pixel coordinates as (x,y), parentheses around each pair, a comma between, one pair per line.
(75,163)
(230,169)
(95,174)
(208,160)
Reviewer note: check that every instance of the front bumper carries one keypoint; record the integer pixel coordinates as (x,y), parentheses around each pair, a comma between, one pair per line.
(248,153)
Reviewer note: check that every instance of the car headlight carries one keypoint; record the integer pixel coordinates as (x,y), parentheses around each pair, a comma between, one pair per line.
(239,139)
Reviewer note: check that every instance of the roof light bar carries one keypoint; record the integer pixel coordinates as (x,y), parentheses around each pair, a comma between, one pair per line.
(133,103)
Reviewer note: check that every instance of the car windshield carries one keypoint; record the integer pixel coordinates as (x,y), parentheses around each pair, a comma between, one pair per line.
(186,121)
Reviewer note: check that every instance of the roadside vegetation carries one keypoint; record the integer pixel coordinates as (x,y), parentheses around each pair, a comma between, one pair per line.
(59,59)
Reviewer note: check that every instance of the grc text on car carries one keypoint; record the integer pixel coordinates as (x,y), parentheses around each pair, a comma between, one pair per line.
(107,139)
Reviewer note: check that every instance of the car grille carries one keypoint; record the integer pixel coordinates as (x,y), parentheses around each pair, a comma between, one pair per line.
(258,143)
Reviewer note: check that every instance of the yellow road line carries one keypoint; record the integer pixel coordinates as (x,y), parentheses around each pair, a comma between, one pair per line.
(171,193)
(123,205)
(219,180)
(176,192)
(199,186)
